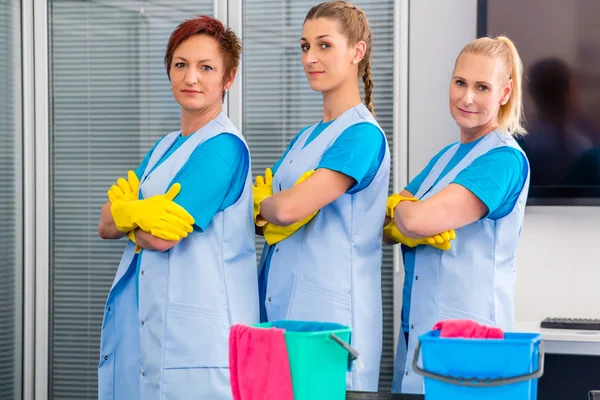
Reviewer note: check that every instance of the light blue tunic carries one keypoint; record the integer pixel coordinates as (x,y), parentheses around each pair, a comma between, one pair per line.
(176,345)
(330,269)
(473,280)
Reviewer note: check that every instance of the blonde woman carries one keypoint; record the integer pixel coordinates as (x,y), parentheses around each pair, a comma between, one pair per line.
(322,261)
(476,189)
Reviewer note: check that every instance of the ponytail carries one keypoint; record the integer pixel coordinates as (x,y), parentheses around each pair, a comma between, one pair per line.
(510,115)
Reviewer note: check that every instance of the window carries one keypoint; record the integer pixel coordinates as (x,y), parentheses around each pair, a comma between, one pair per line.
(11,200)
(278,102)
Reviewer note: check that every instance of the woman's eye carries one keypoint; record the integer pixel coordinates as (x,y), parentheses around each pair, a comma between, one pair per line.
(179,65)
(304,47)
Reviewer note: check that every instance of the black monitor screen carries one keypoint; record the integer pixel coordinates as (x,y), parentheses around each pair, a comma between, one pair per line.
(559,43)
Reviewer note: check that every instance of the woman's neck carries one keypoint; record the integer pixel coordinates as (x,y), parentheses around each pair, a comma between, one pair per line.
(473,134)
(193,120)
(339,100)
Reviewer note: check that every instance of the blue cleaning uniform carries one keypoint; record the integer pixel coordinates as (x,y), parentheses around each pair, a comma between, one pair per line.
(496,178)
(330,269)
(475,279)
(357,153)
(202,194)
(174,344)
(205,193)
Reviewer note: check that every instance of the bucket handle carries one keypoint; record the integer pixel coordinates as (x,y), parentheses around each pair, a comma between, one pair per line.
(352,353)
(476,382)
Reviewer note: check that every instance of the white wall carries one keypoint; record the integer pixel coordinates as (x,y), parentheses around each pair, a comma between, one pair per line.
(438,31)
(558,262)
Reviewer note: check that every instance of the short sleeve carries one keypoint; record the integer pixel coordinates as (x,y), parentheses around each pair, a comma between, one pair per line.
(497,179)
(357,153)
(213,178)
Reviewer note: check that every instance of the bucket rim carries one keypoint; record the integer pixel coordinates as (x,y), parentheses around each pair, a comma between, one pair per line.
(336,328)
(509,337)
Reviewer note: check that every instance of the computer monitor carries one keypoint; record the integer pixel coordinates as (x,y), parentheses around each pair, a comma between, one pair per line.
(559,43)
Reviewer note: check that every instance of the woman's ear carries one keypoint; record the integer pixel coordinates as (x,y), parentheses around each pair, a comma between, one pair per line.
(229,81)
(506,92)
(360,51)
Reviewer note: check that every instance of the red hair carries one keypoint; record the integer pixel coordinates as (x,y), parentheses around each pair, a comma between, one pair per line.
(229,44)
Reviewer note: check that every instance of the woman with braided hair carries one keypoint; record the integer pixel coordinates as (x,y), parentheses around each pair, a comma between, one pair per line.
(322,206)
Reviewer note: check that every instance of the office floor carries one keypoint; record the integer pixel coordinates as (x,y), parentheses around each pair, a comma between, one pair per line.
(569,377)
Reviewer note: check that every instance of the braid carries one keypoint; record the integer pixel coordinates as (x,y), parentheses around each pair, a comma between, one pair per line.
(368,82)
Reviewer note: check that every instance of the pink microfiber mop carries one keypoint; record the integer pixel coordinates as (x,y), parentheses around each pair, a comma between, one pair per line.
(467,329)
(258,364)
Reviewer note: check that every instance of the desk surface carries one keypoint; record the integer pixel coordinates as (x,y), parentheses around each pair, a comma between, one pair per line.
(563,335)
(564,341)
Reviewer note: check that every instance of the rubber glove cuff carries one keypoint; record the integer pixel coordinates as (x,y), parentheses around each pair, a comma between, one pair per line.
(393,201)
(262,189)
(131,236)
(274,233)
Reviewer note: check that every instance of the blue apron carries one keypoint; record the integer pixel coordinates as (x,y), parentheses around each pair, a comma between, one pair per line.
(473,280)
(189,296)
(330,269)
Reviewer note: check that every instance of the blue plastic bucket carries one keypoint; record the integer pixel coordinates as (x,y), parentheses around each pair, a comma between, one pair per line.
(474,369)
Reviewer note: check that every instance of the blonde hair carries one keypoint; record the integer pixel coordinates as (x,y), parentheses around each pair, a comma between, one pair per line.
(355,26)
(510,115)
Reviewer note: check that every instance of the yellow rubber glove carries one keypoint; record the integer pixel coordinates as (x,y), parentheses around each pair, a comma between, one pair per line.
(131,236)
(158,215)
(125,189)
(261,190)
(440,241)
(393,201)
(275,233)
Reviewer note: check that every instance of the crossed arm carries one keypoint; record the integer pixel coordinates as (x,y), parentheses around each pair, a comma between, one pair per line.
(108,230)
(453,207)
(292,205)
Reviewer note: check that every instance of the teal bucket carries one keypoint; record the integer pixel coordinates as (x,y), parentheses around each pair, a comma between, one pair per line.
(319,355)
(474,369)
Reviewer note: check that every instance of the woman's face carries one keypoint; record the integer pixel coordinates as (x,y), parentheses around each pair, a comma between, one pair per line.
(197,72)
(326,56)
(478,88)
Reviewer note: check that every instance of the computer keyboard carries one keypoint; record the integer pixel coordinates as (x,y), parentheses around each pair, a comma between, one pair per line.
(587,324)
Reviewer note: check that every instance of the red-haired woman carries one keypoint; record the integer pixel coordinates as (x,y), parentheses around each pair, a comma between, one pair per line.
(189,270)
